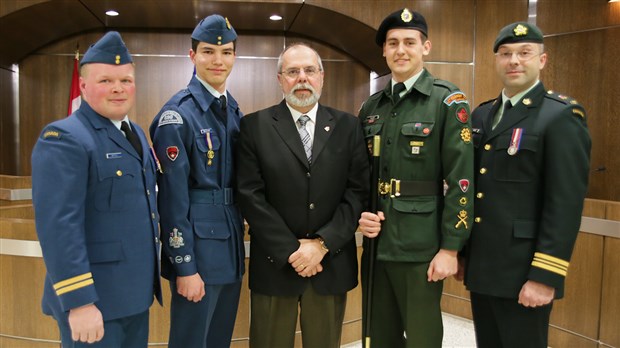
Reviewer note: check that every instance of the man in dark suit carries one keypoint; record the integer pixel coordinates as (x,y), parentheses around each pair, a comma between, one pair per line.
(532,161)
(303,182)
(93,184)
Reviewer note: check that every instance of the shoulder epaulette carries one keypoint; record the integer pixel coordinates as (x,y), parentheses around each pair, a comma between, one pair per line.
(446,84)
(576,108)
(488,101)
(564,99)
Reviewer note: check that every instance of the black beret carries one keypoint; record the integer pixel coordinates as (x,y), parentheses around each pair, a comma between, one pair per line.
(518,32)
(110,49)
(404,19)
(215,30)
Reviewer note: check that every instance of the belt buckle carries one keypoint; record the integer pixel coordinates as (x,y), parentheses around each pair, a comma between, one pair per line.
(394,188)
(384,187)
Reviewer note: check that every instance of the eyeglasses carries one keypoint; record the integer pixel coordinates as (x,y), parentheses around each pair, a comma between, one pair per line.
(293,73)
(522,56)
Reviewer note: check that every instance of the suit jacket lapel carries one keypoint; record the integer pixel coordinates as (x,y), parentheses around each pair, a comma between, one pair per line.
(286,129)
(323,129)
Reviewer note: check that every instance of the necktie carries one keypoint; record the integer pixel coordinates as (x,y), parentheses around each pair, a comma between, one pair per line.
(398,88)
(132,137)
(500,115)
(223,103)
(305,136)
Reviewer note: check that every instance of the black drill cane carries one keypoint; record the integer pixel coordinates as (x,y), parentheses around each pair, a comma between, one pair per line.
(374,197)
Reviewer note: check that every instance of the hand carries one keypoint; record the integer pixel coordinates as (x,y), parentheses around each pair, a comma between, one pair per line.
(306,260)
(460,272)
(191,287)
(86,324)
(535,294)
(370,224)
(443,265)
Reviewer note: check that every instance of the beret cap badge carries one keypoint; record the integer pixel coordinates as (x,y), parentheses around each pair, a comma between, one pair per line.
(406,15)
(520,30)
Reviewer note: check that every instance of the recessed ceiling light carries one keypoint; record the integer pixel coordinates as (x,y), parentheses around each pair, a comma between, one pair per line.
(275,17)
(111,13)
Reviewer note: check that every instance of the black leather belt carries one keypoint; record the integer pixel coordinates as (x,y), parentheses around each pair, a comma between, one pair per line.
(400,188)
(224,196)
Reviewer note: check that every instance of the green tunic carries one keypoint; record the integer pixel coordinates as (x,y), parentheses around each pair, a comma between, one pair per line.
(425,140)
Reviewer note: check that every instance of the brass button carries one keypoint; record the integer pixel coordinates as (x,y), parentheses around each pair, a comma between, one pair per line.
(483,170)
(153,216)
(487,147)
(148,192)
(311,206)
(478,219)
(480,195)
(119,173)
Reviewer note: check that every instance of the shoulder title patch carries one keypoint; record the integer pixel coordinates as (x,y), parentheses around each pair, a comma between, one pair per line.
(51,134)
(579,112)
(170,117)
(456,97)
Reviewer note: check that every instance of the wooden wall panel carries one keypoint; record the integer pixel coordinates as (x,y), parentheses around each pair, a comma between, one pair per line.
(491,16)
(594,85)
(610,301)
(8,109)
(462,75)
(559,338)
(579,310)
(450,23)
(21,290)
(555,17)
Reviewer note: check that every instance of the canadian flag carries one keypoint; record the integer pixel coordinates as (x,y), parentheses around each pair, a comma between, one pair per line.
(74,93)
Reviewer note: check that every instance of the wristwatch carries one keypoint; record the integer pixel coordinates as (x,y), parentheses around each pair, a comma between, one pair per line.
(323,246)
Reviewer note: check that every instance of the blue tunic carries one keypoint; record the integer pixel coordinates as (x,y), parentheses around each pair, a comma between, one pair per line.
(96,217)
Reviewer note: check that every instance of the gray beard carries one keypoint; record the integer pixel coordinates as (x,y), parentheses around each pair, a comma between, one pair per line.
(293,100)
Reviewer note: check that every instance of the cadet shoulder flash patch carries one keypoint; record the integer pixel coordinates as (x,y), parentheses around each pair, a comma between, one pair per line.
(169,117)
(456,97)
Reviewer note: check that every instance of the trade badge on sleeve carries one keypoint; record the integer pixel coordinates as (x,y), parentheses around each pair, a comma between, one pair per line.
(515,141)
(170,117)
(462,115)
(462,219)
(176,239)
(466,135)
(464,185)
(172,152)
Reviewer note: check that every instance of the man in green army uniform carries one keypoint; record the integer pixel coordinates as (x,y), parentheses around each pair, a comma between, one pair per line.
(425,142)
(532,154)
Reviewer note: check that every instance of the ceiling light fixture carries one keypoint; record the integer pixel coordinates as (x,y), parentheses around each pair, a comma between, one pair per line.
(275,17)
(111,13)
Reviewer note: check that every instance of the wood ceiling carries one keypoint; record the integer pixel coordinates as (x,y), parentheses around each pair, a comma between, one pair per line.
(25,30)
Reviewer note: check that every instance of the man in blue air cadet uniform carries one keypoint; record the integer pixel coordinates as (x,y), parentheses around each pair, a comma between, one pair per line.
(532,162)
(93,184)
(425,141)
(194,135)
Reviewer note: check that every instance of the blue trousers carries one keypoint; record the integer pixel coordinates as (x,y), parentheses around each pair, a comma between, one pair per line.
(205,324)
(127,332)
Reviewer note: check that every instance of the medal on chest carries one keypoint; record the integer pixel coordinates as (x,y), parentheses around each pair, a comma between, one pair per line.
(515,141)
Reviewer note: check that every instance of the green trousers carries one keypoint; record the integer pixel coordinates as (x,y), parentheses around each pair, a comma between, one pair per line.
(405,309)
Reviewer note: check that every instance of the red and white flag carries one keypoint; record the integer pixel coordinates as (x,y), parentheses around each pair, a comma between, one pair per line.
(74,93)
